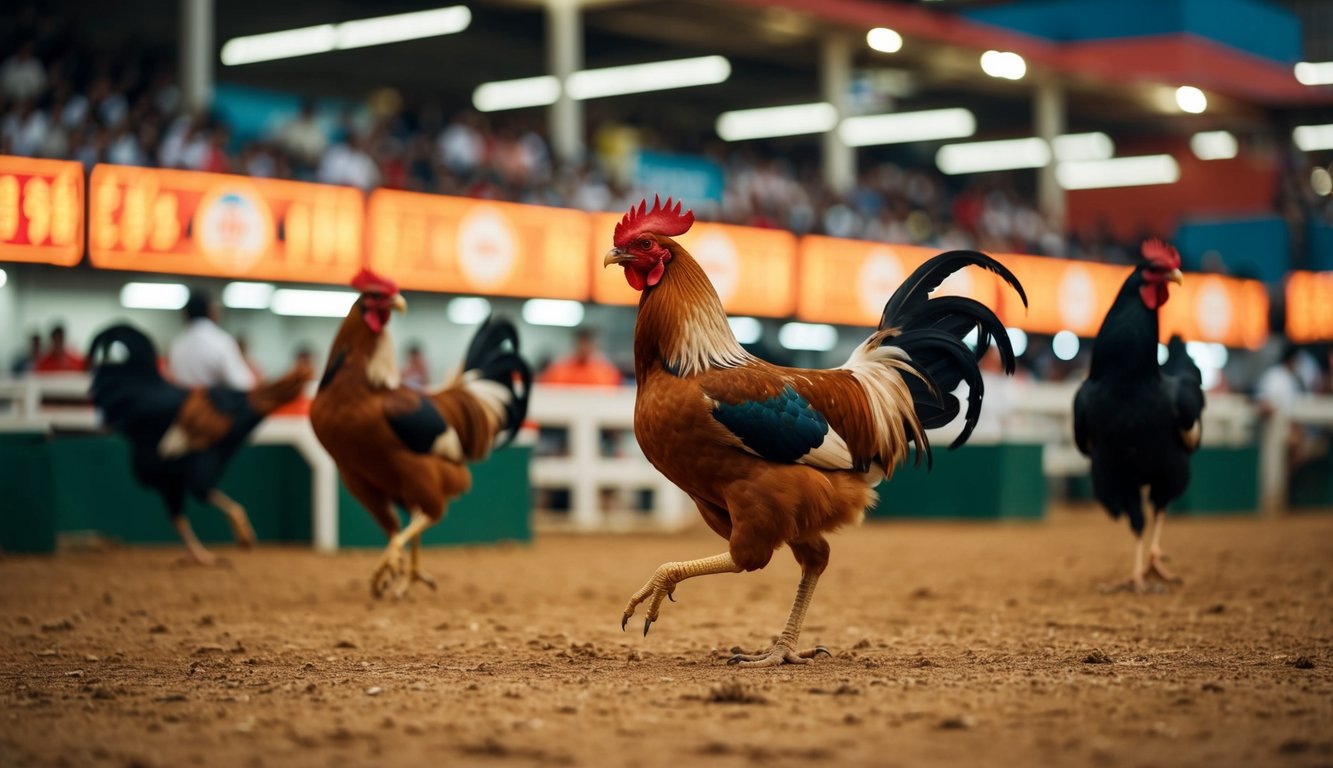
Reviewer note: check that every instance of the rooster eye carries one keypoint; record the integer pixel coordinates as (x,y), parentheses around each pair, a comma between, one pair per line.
(645,243)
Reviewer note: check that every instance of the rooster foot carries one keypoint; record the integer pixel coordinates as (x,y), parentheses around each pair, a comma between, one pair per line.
(781,654)
(243,531)
(658,587)
(387,572)
(1157,570)
(412,578)
(1139,585)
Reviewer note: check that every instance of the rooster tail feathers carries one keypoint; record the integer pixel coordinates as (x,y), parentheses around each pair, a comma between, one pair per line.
(494,372)
(931,332)
(272,395)
(119,381)
(140,357)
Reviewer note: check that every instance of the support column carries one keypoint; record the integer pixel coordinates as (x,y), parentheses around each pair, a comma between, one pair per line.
(835,81)
(564,50)
(1048,114)
(197,49)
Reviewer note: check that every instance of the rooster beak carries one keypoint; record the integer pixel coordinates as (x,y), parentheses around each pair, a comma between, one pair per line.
(399,303)
(1175,276)
(616,256)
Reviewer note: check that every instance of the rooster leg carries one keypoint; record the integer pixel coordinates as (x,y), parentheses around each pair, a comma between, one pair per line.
(193,548)
(664,581)
(390,568)
(1155,567)
(1136,581)
(784,651)
(414,572)
(240,523)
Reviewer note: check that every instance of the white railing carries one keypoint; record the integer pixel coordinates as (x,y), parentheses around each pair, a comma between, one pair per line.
(1274,460)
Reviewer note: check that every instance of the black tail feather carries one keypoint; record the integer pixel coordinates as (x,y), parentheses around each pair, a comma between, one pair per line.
(931,331)
(131,389)
(493,355)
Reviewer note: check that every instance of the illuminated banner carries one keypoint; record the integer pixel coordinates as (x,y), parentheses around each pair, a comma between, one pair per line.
(460,245)
(1075,296)
(41,211)
(190,223)
(752,269)
(1310,306)
(847,282)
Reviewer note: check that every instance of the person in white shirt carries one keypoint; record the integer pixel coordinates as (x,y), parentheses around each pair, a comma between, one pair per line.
(204,355)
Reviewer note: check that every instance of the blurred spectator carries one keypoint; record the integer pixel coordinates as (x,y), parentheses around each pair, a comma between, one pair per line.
(22,76)
(585,366)
(461,145)
(416,371)
(203,355)
(58,357)
(27,362)
(1280,387)
(304,139)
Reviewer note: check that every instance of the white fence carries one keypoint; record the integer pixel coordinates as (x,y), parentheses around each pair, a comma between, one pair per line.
(586,447)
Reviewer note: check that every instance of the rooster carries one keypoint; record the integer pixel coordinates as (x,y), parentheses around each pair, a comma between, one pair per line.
(181,439)
(774,455)
(397,446)
(1137,420)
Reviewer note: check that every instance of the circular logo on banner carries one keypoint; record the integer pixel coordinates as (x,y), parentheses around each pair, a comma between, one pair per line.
(234,227)
(1078,299)
(717,255)
(1212,307)
(880,276)
(486,246)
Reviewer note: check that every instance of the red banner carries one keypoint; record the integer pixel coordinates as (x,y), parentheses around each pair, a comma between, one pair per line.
(41,211)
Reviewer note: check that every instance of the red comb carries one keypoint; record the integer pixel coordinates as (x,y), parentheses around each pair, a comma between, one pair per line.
(369,282)
(660,220)
(1160,254)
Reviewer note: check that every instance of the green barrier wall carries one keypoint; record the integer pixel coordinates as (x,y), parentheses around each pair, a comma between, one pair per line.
(83,483)
(1223,481)
(975,482)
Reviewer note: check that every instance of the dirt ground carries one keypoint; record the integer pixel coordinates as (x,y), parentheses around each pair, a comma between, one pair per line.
(953,644)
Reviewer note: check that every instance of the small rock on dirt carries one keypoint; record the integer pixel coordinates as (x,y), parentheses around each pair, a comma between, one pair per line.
(1303,662)
(345,644)
(1097,656)
(374,690)
(733,692)
(158,629)
(958,723)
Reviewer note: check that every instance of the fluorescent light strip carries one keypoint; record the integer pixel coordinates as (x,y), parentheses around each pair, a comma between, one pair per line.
(468,310)
(516,94)
(1083,146)
(296,302)
(642,78)
(884,40)
(322,38)
(794,120)
(747,330)
(1313,138)
(1314,72)
(1191,100)
(4,278)
(154,295)
(1065,345)
(1214,145)
(812,336)
(1018,339)
(1118,172)
(247,295)
(983,156)
(566,314)
(1004,64)
(904,127)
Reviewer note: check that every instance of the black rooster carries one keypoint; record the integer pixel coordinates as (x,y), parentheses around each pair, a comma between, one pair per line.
(1137,420)
(181,439)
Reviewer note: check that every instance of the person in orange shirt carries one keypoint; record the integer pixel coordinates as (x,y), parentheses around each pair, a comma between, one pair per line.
(586,366)
(58,358)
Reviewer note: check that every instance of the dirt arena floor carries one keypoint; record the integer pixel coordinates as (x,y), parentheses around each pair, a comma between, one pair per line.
(954,644)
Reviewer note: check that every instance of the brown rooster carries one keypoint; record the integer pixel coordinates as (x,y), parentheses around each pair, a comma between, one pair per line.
(774,455)
(181,439)
(397,446)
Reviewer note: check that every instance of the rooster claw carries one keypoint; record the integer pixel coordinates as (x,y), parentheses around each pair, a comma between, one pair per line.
(623,621)
(646,624)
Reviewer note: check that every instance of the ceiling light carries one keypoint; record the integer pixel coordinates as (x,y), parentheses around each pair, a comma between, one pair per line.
(1191,99)
(1314,72)
(1214,145)
(794,120)
(983,156)
(303,303)
(567,314)
(1004,64)
(816,337)
(884,40)
(1312,138)
(1018,339)
(516,94)
(322,38)
(904,127)
(1321,181)
(1162,353)
(642,78)
(747,330)
(1118,172)
(1083,146)
(1065,345)
(154,296)
(4,278)
(468,310)
(247,295)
